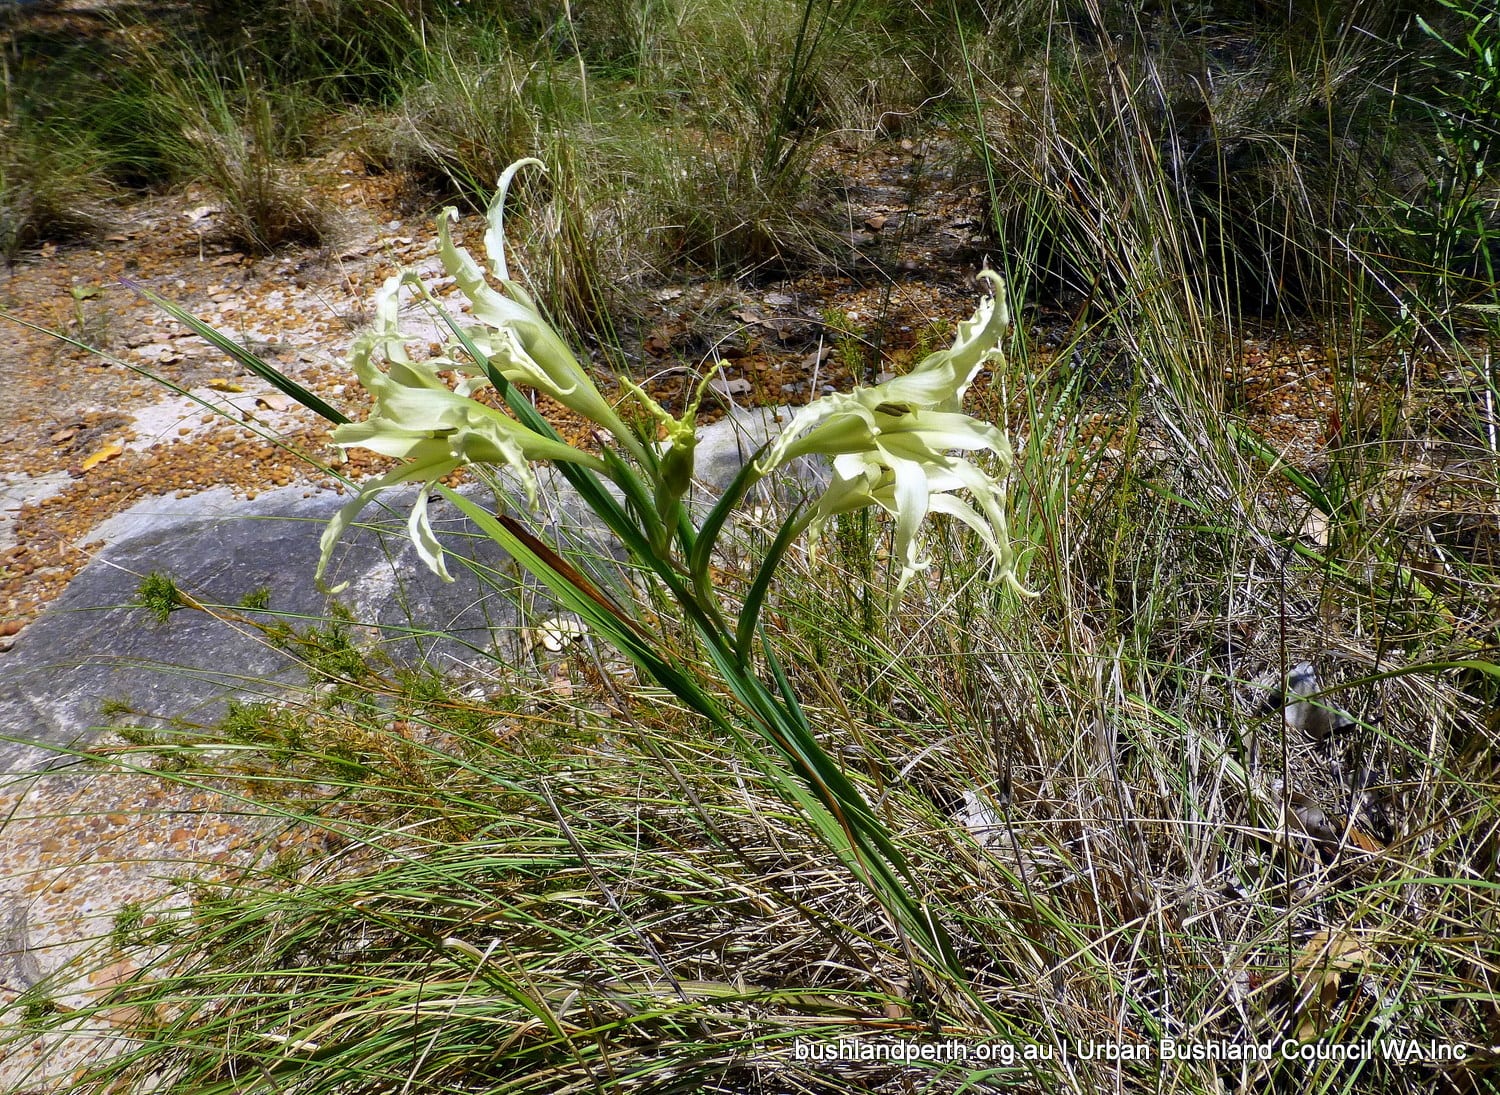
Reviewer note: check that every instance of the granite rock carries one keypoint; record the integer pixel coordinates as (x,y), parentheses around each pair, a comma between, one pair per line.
(95,644)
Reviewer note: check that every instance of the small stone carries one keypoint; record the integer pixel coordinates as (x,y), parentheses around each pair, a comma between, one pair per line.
(116,974)
(559,632)
(1317,718)
(730,387)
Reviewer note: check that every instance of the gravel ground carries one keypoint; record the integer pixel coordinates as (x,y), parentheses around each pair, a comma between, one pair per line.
(78,850)
(102,421)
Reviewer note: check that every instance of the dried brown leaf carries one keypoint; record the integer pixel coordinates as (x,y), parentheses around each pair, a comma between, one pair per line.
(1319,968)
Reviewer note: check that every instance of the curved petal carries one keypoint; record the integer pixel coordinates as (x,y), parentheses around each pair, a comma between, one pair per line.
(388,439)
(804,422)
(954,507)
(940,431)
(522,344)
(844,425)
(419,528)
(977,341)
(911,501)
(846,493)
(494,236)
(427,471)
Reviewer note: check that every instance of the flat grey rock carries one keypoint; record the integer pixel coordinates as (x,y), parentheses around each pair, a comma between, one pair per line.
(94,644)
(18,490)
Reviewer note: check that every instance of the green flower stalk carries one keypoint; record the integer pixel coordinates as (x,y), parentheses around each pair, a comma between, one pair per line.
(672,470)
(904,446)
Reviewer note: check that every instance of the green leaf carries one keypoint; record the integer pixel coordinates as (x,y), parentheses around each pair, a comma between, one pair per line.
(708,533)
(576,593)
(269,373)
(760,586)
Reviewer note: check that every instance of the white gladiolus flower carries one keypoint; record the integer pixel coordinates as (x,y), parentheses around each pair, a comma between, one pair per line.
(522,345)
(433,428)
(892,446)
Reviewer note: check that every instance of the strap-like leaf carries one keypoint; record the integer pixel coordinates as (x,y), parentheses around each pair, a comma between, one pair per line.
(269,373)
(744,633)
(708,534)
(580,596)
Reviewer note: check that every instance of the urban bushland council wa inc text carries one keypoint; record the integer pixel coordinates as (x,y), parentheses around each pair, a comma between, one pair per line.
(958,1051)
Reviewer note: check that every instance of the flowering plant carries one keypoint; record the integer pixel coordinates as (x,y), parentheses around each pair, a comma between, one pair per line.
(904,446)
(891,444)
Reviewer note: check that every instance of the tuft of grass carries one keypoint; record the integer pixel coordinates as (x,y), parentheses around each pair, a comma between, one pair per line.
(1249,164)
(128,923)
(258,599)
(53,180)
(467,110)
(48,191)
(237,135)
(158,595)
(1456,229)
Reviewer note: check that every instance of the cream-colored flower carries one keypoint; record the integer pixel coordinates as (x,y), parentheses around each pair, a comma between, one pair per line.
(941,379)
(435,429)
(892,446)
(511,332)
